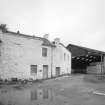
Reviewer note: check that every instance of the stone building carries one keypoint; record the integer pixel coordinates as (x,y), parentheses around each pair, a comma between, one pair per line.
(23,56)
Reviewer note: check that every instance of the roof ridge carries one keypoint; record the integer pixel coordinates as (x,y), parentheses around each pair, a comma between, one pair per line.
(89,49)
(45,41)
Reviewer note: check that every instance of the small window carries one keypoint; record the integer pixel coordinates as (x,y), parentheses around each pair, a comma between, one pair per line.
(33,68)
(44,52)
(64,56)
(68,58)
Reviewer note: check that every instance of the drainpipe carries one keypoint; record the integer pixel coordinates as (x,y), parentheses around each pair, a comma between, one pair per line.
(101,64)
(51,60)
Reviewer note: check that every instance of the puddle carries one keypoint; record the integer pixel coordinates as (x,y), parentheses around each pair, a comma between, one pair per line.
(30,96)
(60,93)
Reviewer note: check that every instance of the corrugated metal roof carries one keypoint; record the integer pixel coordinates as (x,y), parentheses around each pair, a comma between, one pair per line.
(88,49)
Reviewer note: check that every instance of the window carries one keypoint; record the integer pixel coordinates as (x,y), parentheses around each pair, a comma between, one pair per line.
(64,56)
(33,68)
(68,57)
(44,52)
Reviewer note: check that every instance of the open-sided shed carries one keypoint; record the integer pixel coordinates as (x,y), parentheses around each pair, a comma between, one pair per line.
(84,60)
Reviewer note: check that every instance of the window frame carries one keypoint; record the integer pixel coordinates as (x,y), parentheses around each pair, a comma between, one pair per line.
(44,52)
(64,56)
(34,69)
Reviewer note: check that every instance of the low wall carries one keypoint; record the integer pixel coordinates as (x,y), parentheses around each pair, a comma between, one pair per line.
(97,68)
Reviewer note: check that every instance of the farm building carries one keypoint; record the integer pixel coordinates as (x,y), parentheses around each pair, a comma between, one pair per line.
(24,56)
(86,60)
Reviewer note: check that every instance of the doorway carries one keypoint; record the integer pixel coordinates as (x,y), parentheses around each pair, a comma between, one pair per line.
(45,71)
(57,71)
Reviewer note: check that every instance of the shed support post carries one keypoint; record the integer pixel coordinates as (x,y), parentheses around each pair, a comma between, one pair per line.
(101,64)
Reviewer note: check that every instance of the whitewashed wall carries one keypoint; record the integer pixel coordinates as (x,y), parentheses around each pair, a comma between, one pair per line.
(58,60)
(18,53)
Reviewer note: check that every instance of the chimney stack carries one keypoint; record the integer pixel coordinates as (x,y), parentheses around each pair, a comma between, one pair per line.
(46,36)
(57,41)
(18,32)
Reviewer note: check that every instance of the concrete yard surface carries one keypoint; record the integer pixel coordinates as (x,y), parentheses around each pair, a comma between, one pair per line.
(68,90)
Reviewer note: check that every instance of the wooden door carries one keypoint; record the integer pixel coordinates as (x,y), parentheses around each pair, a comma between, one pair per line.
(45,71)
(57,71)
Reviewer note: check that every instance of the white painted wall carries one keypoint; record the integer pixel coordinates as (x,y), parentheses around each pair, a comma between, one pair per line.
(18,53)
(58,60)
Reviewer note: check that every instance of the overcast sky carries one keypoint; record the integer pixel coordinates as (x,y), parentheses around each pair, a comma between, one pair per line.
(80,22)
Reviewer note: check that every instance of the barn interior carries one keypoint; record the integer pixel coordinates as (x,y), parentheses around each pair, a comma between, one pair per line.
(80,63)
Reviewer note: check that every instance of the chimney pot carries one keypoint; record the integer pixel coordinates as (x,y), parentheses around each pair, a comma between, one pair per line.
(18,32)
(57,40)
(46,36)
